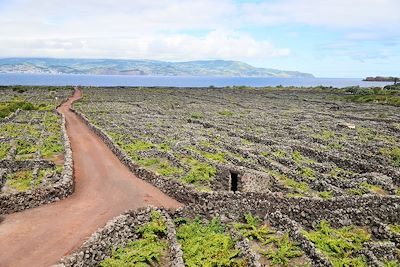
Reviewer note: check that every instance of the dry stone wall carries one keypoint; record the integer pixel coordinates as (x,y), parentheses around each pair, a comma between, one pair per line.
(118,232)
(18,201)
(235,204)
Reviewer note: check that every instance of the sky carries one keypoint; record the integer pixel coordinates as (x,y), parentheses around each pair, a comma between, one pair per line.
(328,38)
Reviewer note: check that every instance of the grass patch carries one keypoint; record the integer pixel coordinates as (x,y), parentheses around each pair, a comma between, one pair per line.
(20,181)
(164,147)
(199,172)
(207,245)
(356,192)
(393,154)
(338,172)
(196,115)
(51,145)
(219,156)
(334,146)
(297,157)
(294,195)
(307,173)
(372,188)
(278,249)
(301,187)
(139,145)
(253,229)
(325,195)
(266,154)
(339,245)
(280,154)
(42,173)
(7,108)
(25,147)
(325,135)
(391,263)
(4,149)
(226,112)
(387,99)
(162,167)
(146,251)
(395,228)
(282,250)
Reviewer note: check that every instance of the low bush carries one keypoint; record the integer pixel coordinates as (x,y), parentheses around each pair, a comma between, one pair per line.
(278,249)
(393,153)
(207,244)
(20,181)
(7,108)
(199,172)
(281,250)
(197,115)
(4,149)
(147,250)
(253,229)
(339,245)
(226,112)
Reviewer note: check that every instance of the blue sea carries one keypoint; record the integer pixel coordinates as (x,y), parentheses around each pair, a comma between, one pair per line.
(191,81)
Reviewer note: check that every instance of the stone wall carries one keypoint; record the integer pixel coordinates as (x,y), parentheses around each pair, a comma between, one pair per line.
(11,116)
(18,201)
(235,204)
(122,229)
(118,232)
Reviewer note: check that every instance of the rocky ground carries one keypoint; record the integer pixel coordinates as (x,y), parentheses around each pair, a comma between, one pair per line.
(315,178)
(300,143)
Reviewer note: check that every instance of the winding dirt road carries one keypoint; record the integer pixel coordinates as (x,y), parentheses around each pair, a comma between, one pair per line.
(104,188)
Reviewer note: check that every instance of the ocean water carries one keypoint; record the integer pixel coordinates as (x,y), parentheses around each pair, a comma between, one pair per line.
(119,80)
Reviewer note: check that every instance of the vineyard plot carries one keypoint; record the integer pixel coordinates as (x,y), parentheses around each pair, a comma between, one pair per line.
(301,143)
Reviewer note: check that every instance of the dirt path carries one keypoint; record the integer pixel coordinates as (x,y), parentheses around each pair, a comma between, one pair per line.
(104,188)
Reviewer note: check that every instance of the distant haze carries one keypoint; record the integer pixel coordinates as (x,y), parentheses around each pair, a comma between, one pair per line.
(140,67)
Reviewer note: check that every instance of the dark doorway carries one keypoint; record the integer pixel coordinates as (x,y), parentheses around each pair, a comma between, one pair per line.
(234,181)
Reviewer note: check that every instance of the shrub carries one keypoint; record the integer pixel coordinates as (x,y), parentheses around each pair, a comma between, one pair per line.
(220,156)
(307,172)
(226,112)
(253,229)
(280,154)
(281,250)
(298,186)
(197,115)
(4,148)
(395,228)
(146,251)
(326,195)
(339,244)
(20,181)
(207,245)
(391,263)
(393,153)
(9,107)
(199,172)
(297,157)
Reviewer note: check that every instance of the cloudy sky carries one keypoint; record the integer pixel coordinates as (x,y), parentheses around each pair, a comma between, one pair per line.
(329,38)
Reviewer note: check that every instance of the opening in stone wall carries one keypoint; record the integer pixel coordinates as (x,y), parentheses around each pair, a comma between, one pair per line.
(234,181)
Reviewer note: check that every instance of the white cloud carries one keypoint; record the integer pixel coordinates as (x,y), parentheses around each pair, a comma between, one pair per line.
(215,45)
(348,14)
(128,29)
(180,30)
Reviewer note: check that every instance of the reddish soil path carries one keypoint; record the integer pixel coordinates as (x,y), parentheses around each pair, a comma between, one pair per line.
(104,188)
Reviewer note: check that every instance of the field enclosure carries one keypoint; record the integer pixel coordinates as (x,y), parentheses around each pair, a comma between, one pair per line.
(31,143)
(270,177)
(301,143)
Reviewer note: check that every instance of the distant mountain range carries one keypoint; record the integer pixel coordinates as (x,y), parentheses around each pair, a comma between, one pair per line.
(140,67)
